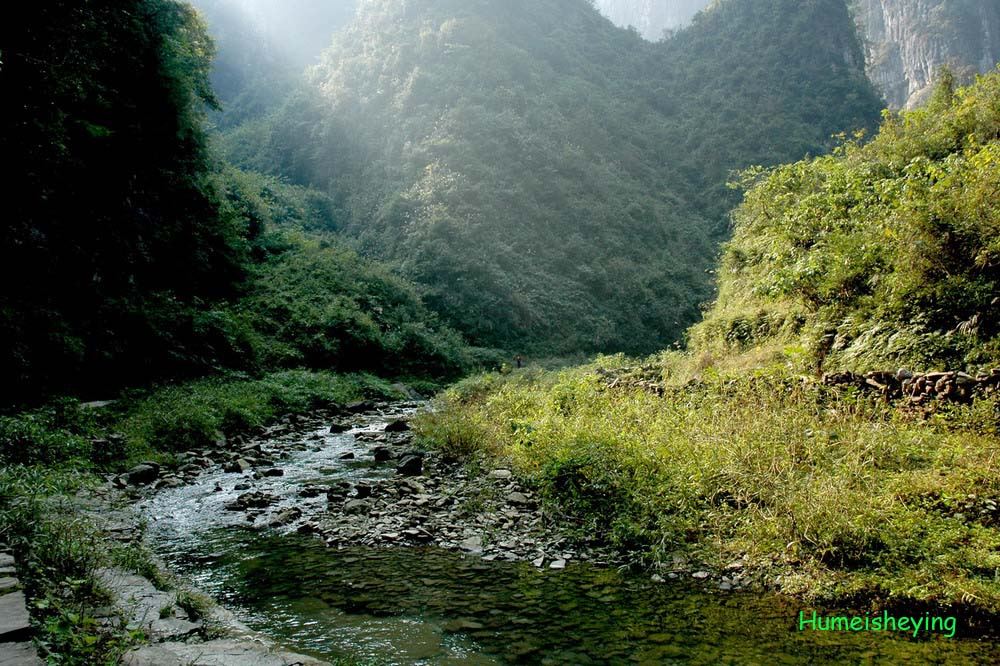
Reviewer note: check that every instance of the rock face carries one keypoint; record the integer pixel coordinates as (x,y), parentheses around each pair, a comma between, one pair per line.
(651,17)
(907,41)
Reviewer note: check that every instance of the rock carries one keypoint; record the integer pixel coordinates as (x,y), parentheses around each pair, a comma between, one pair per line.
(8,584)
(169,482)
(274,471)
(142,474)
(558,564)
(399,425)
(337,428)
(357,506)
(382,454)
(311,491)
(518,499)
(238,466)
(411,465)
(700,575)
(538,563)
(19,654)
(472,544)
(242,486)
(502,474)
(359,406)
(15,625)
(462,625)
(362,490)
(220,652)
(286,517)
(347,456)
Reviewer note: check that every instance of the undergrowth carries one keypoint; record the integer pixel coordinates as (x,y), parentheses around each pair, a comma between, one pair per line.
(838,493)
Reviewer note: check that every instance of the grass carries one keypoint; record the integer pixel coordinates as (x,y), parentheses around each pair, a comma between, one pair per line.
(838,494)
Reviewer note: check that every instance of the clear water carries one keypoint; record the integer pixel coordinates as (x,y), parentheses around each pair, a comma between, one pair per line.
(427,606)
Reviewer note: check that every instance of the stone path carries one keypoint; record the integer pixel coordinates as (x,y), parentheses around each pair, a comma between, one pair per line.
(16,648)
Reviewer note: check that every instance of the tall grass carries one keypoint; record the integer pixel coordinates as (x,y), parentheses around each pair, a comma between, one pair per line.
(837,493)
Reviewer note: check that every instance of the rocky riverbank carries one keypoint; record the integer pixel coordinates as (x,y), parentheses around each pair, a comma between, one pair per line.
(355,477)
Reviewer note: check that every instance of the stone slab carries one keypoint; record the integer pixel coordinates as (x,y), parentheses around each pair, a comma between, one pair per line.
(19,654)
(215,653)
(14,622)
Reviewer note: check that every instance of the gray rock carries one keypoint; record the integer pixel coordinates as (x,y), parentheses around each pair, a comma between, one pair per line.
(558,564)
(502,474)
(347,456)
(382,454)
(19,654)
(411,465)
(399,425)
(700,575)
(238,466)
(360,406)
(472,544)
(15,626)
(142,474)
(362,490)
(8,584)
(223,652)
(286,517)
(357,506)
(274,471)
(337,428)
(518,499)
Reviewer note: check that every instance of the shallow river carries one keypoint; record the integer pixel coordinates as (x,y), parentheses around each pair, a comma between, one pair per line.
(427,606)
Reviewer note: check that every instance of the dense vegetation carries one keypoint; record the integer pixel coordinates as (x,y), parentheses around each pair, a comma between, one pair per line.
(764,474)
(883,254)
(456,138)
(131,255)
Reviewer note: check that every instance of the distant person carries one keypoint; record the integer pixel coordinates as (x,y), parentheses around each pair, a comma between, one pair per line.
(519,361)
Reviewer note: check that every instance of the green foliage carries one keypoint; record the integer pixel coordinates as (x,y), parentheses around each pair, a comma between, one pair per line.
(178,418)
(836,493)
(882,253)
(556,183)
(115,239)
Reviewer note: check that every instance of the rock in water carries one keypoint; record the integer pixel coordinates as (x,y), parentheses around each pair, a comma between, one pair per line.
(399,425)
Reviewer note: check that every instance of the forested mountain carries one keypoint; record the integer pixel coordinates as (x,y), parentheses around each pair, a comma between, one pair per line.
(556,183)
(112,237)
(130,255)
(880,255)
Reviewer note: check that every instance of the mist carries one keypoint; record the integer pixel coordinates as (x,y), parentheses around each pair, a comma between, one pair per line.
(299,29)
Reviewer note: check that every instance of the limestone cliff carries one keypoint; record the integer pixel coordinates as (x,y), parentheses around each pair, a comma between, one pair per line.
(907,41)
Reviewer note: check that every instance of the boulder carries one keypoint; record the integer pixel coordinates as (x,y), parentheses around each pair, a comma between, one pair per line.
(411,465)
(399,425)
(142,474)
(238,466)
(357,506)
(382,454)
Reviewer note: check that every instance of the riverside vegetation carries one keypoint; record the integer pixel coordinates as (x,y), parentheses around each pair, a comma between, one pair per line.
(883,254)
(431,226)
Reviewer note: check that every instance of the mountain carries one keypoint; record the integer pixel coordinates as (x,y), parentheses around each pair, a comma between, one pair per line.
(651,17)
(555,183)
(908,41)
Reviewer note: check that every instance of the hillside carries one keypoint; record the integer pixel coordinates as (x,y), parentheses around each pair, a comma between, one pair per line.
(882,254)
(454,137)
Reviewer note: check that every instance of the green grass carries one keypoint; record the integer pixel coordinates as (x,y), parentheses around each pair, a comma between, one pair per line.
(838,494)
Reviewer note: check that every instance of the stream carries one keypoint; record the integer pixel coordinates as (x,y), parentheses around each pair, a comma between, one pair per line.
(426,605)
